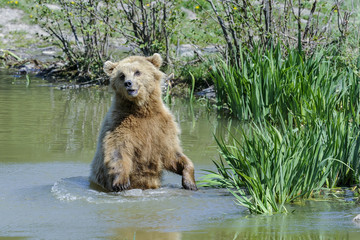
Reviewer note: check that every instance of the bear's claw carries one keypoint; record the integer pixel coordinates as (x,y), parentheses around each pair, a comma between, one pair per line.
(119,185)
(189,185)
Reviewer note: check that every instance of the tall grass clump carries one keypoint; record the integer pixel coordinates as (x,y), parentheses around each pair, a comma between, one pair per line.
(270,166)
(305,127)
(269,83)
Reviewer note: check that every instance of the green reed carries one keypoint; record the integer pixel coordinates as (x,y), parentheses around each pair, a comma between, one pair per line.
(270,166)
(305,130)
(269,83)
(192,98)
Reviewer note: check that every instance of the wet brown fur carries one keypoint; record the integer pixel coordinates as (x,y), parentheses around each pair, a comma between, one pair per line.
(138,137)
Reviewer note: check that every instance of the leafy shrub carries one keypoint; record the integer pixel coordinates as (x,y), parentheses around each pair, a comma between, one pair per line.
(83,29)
(201,71)
(148,25)
(244,23)
(75,29)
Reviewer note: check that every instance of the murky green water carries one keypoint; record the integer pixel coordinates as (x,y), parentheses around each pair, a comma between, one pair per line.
(47,141)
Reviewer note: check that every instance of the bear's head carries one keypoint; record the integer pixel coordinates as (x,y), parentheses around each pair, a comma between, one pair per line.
(136,78)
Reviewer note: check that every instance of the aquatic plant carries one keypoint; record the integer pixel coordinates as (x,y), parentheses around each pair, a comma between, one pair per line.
(270,166)
(305,133)
(268,83)
(192,99)
(28,80)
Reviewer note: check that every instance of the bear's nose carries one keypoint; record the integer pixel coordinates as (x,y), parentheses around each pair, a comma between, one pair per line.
(128,83)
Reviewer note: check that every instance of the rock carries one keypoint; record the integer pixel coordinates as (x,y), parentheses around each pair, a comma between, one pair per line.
(28,67)
(190,14)
(186,50)
(209,93)
(53,7)
(210,49)
(59,64)
(49,53)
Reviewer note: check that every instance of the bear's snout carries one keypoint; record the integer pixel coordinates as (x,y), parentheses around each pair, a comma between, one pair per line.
(128,84)
(130,87)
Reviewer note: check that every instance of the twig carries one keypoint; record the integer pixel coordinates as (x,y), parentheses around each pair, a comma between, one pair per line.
(307,27)
(223,27)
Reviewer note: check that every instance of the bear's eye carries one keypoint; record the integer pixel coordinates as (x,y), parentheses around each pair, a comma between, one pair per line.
(137,73)
(121,76)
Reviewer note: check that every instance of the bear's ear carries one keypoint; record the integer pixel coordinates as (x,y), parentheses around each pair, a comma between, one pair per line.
(156,60)
(109,67)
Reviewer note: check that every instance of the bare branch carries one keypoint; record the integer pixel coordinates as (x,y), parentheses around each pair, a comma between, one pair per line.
(307,27)
(223,27)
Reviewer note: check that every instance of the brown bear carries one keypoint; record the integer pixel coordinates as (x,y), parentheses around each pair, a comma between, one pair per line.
(139,137)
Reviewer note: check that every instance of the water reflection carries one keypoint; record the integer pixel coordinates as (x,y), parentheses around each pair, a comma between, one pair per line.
(37,121)
(225,234)
(311,220)
(199,126)
(138,234)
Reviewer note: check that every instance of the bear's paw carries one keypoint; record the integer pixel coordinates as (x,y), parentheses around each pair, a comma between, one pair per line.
(189,185)
(120,183)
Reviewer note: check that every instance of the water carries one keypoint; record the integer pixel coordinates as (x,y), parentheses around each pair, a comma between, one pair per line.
(47,141)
